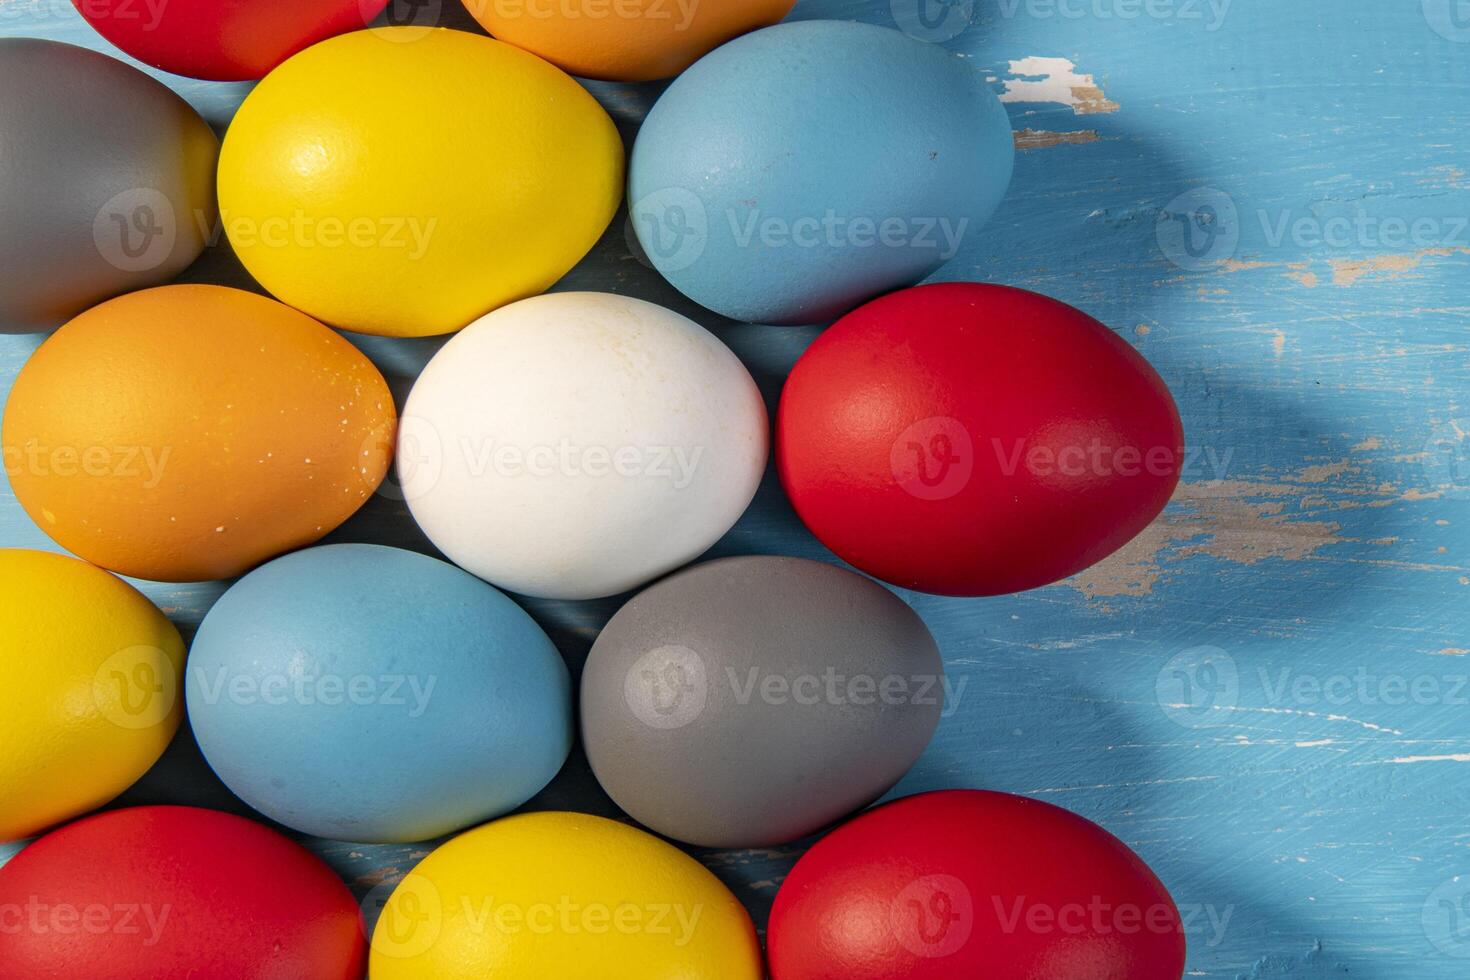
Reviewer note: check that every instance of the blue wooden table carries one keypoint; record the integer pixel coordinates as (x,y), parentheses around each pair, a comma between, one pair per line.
(1268,693)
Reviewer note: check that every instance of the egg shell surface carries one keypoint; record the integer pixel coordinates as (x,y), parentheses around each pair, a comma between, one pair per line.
(188,433)
(970,439)
(964,883)
(106,182)
(562,895)
(627,42)
(577,445)
(223,40)
(454,175)
(802,169)
(365,693)
(748,702)
(175,893)
(91,674)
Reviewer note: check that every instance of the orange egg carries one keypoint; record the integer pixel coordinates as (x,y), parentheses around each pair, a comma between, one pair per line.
(624,40)
(190,432)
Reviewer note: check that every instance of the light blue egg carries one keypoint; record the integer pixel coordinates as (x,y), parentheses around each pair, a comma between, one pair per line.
(801,170)
(365,693)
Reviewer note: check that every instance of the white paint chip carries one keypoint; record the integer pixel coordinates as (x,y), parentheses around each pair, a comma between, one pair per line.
(1055,80)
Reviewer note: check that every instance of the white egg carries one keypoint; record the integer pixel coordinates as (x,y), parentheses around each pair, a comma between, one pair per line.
(577,445)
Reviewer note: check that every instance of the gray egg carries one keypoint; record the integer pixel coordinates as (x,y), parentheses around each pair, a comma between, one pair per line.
(106,182)
(748,702)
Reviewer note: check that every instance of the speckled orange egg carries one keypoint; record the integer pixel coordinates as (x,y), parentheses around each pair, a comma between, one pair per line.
(624,40)
(188,433)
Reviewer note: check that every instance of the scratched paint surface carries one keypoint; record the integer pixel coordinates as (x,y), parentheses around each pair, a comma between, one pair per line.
(1265,693)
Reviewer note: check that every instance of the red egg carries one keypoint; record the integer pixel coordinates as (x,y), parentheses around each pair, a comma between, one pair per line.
(223,40)
(969,439)
(974,885)
(166,893)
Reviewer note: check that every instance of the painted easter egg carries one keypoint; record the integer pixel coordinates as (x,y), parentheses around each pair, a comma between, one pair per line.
(169,892)
(969,439)
(775,182)
(366,693)
(578,445)
(187,433)
(91,673)
(971,884)
(635,41)
(454,175)
(106,182)
(562,895)
(223,40)
(752,701)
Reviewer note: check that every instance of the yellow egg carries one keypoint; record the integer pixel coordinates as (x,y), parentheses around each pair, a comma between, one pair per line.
(562,896)
(405,182)
(90,673)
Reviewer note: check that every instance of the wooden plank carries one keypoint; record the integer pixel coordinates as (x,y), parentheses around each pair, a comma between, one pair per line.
(1310,817)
